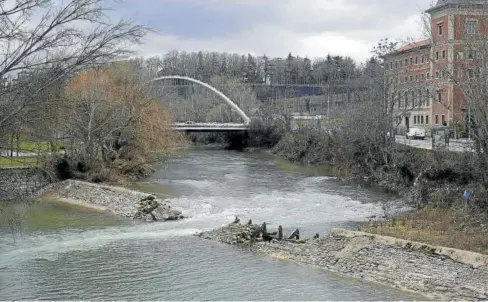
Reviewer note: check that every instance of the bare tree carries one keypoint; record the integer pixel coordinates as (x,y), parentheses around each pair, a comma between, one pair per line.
(68,37)
(384,94)
(110,115)
(242,95)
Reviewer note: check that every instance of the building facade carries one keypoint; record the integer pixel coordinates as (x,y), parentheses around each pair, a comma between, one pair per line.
(408,72)
(424,75)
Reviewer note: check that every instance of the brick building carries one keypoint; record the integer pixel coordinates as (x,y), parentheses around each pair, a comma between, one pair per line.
(423,74)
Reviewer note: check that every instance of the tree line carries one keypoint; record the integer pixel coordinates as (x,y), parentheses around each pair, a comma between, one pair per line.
(256,69)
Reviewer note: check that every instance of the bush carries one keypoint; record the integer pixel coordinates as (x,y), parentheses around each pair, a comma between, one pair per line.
(424,176)
(307,146)
(265,134)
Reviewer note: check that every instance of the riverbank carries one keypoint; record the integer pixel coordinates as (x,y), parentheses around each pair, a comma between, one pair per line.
(438,273)
(119,201)
(432,182)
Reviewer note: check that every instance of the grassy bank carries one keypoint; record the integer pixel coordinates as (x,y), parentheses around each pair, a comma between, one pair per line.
(432,182)
(9,162)
(453,227)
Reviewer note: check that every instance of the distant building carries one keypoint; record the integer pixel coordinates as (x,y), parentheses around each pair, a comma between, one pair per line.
(409,73)
(421,72)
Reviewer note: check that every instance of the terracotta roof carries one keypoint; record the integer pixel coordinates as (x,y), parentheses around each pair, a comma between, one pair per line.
(413,45)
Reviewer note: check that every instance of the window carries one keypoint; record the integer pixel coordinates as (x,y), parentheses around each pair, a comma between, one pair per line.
(436,74)
(436,120)
(422,59)
(415,119)
(406,79)
(421,119)
(443,119)
(411,61)
(427,98)
(428,75)
(391,65)
(396,64)
(439,97)
(411,78)
(422,76)
(437,55)
(413,99)
(416,77)
(416,60)
(443,54)
(427,119)
(406,99)
(421,98)
(440,28)
(470,27)
(470,54)
(399,100)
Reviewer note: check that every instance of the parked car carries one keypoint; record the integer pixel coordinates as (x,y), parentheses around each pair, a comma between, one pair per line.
(414,133)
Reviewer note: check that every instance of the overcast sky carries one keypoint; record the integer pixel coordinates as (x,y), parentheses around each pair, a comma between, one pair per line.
(310,28)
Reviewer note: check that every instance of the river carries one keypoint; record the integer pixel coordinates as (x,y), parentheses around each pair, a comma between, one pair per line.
(71,254)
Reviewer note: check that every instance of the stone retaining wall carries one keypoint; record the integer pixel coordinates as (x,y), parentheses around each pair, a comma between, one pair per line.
(21,182)
(434,272)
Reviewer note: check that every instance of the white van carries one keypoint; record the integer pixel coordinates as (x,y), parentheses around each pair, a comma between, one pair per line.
(414,133)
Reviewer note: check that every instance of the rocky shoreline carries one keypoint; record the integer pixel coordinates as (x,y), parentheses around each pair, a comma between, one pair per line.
(117,200)
(437,273)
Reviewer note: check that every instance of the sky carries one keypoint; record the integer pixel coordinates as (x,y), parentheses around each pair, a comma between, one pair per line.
(312,28)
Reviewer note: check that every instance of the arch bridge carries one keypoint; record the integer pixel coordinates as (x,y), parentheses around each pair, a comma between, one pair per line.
(190,126)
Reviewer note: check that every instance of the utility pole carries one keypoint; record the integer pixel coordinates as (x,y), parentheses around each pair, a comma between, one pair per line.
(469,121)
(328,105)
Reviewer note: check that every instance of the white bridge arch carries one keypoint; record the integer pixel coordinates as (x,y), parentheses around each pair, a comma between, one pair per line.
(241,113)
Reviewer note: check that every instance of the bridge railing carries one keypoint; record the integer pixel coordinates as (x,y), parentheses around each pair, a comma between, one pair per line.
(216,125)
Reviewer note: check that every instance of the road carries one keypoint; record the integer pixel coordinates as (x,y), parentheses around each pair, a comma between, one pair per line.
(455,145)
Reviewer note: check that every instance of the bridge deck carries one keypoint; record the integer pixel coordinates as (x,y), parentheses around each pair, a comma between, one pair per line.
(209,127)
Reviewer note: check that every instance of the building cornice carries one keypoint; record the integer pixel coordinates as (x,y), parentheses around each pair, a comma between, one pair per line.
(445,6)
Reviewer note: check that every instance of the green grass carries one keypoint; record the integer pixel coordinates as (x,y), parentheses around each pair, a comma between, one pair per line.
(39,147)
(28,147)
(9,162)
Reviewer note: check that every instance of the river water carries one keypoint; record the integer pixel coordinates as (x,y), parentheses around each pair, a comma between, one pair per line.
(70,254)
